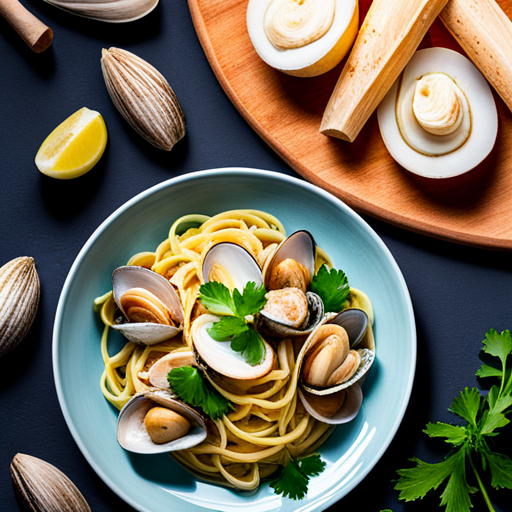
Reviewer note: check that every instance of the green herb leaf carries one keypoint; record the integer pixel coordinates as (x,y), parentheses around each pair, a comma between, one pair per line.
(454,434)
(217,298)
(227,327)
(312,465)
(250,344)
(467,405)
(189,385)
(498,345)
(456,495)
(501,469)
(332,287)
(252,300)
(488,371)
(294,478)
(415,482)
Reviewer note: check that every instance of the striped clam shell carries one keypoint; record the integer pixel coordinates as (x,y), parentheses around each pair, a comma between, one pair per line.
(19,298)
(143,97)
(41,487)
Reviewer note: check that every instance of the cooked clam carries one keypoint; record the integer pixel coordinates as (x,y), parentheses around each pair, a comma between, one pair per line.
(329,363)
(286,307)
(219,355)
(157,374)
(161,432)
(149,303)
(337,408)
(293,263)
(331,367)
(231,265)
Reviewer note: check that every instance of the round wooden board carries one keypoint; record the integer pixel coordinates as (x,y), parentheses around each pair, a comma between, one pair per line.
(473,209)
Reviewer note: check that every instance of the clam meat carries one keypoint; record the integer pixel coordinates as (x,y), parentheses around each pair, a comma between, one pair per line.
(231,265)
(158,372)
(293,263)
(154,421)
(329,360)
(149,303)
(291,313)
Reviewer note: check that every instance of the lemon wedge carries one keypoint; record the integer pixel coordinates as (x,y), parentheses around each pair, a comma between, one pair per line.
(74,147)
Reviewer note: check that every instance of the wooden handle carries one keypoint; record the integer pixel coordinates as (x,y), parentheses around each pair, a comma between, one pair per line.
(485,33)
(33,31)
(390,34)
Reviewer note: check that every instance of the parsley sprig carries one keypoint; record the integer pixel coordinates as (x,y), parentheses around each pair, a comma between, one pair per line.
(332,287)
(188,384)
(469,442)
(236,309)
(294,478)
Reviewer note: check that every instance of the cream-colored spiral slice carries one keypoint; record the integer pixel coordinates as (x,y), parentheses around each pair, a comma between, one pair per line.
(439,119)
(302,37)
(439,105)
(297,23)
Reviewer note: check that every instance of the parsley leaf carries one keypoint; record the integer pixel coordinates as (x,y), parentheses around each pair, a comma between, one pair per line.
(244,338)
(498,345)
(227,327)
(454,434)
(294,478)
(332,287)
(217,298)
(416,482)
(251,301)
(488,371)
(189,385)
(483,415)
(467,405)
(501,469)
(250,344)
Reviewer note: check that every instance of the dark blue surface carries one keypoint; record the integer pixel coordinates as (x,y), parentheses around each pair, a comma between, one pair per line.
(458,292)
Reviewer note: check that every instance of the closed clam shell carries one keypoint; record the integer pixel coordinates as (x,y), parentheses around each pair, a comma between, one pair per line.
(111,11)
(143,97)
(19,298)
(129,277)
(41,487)
(131,431)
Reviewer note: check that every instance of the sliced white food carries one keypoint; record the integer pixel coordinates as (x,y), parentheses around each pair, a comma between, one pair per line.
(457,101)
(219,355)
(302,38)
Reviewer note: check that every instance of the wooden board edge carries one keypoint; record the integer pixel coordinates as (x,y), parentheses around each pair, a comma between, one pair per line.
(361,206)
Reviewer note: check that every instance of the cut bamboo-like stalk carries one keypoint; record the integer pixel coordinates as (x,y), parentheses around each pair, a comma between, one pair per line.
(485,32)
(33,31)
(390,34)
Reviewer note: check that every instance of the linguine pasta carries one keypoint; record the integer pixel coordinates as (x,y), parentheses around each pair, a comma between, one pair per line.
(269,424)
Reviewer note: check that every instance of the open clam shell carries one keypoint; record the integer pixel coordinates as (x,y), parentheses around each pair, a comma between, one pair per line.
(339,403)
(350,404)
(231,265)
(300,247)
(355,322)
(131,431)
(157,374)
(219,356)
(147,333)
(279,328)
(360,334)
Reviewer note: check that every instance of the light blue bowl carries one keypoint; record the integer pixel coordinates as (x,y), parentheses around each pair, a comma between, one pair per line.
(157,483)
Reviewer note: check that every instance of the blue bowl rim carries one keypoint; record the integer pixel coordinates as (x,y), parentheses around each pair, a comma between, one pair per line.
(236,172)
